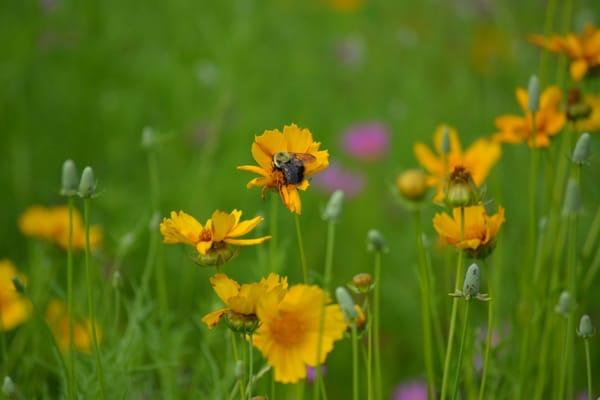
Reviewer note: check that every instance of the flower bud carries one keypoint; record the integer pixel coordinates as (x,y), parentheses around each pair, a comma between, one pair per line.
(446,141)
(586,330)
(18,284)
(87,185)
(216,257)
(239,369)
(412,184)
(563,307)
(362,282)
(533,94)
(69,179)
(241,323)
(472,282)
(572,204)
(148,137)
(461,190)
(334,206)
(581,153)
(8,388)
(375,241)
(346,303)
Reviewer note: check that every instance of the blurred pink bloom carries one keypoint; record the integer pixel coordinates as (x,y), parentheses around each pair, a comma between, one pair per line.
(368,141)
(337,177)
(311,373)
(410,390)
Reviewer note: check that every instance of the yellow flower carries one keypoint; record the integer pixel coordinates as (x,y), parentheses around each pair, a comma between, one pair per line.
(52,224)
(478,159)
(14,308)
(288,335)
(292,140)
(582,49)
(549,120)
(221,229)
(480,229)
(57,318)
(242,300)
(592,122)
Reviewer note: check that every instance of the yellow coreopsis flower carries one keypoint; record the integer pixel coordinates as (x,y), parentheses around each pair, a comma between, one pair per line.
(478,159)
(14,308)
(220,230)
(583,50)
(57,318)
(52,224)
(285,160)
(479,229)
(288,335)
(549,120)
(242,300)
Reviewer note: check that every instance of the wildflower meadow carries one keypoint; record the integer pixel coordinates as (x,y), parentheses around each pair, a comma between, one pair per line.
(316,199)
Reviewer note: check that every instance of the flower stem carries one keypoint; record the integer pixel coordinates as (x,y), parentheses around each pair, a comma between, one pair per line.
(236,356)
(355,395)
(250,367)
(369,352)
(460,350)
(376,330)
(425,306)
(564,360)
(273,233)
(488,343)
(588,365)
(301,249)
(459,268)
(91,311)
(72,384)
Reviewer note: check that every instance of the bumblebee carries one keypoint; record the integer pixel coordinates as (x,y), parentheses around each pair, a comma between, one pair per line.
(292,165)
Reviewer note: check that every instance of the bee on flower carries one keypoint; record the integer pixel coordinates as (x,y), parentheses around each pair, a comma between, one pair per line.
(285,162)
(14,308)
(56,316)
(212,239)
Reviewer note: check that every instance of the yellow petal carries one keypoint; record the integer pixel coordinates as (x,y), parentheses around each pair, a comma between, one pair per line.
(244,227)
(203,246)
(224,287)
(551,98)
(522,99)
(438,135)
(446,227)
(253,168)
(578,69)
(247,242)
(180,228)
(222,223)
(212,319)
(263,158)
(427,159)
(271,142)
(298,140)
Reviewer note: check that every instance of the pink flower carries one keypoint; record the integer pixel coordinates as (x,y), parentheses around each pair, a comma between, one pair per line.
(311,373)
(337,177)
(411,390)
(367,142)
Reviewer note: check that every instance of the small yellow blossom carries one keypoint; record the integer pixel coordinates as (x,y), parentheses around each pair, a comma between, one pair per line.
(221,229)
(52,224)
(583,50)
(14,308)
(57,318)
(478,159)
(549,120)
(292,140)
(288,335)
(243,299)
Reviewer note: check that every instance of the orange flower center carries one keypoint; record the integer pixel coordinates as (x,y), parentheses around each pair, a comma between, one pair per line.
(205,235)
(288,329)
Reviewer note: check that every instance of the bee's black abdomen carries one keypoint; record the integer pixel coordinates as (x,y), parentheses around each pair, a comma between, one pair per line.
(293,171)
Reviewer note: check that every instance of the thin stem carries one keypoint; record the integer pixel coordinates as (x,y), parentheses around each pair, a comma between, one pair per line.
(459,268)
(91,311)
(376,330)
(425,306)
(355,395)
(460,349)
(563,362)
(592,235)
(301,249)
(236,355)
(369,352)
(273,233)
(588,365)
(488,345)
(250,367)
(72,383)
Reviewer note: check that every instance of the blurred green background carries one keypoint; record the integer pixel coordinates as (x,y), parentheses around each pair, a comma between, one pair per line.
(81,79)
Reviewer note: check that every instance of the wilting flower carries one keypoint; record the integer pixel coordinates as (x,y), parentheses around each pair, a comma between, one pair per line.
(410,390)
(57,318)
(289,332)
(337,177)
(592,122)
(479,229)
(549,120)
(242,300)
(583,50)
(52,224)
(368,142)
(212,238)
(14,308)
(302,159)
(478,159)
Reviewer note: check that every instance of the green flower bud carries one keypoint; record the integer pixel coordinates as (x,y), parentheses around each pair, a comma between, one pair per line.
(572,204)
(334,206)
(87,185)
(446,141)
(148,137)
(375,241)
(8,388)
(239,370)
(216,257)
(563,307)
(70,180)
(18,284)
(586,330)
(472,282)
(461,190)
(363,282)
(412,184)
(346,303)
(581,153)
(533,94)
(241,323)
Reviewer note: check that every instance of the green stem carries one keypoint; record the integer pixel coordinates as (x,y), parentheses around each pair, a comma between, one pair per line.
(72,383)
(91,310)
(236,355)
(588,365)
(488,345)
(355,394)
(273,233)
(369,352)
(301,249)
(592,236)
(250,367)
(460,350)
(376,330)
(425,307)
(563,362)
(459,268)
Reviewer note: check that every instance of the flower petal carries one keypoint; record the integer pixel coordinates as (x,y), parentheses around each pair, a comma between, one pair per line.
(180,228)
(578,69)
(212,319)
(244,227)
(224,287)
(247,242)
(222,222)
(253,168)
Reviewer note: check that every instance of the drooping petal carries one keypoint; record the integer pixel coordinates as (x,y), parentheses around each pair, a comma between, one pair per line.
(212,319)
(224,287)
(247,242)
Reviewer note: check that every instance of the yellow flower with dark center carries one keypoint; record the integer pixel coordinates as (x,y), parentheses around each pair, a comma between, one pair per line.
(549,120)
(57,318)
(479,229)
(242,300)
(478,159)
(592,122)
(288,335)
(14,308)
(52,224)
(583,50)
(221,229)
(305,159)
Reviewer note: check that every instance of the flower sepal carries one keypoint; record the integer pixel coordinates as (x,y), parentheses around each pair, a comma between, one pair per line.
(216,256)
(241,323)
(479,296)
